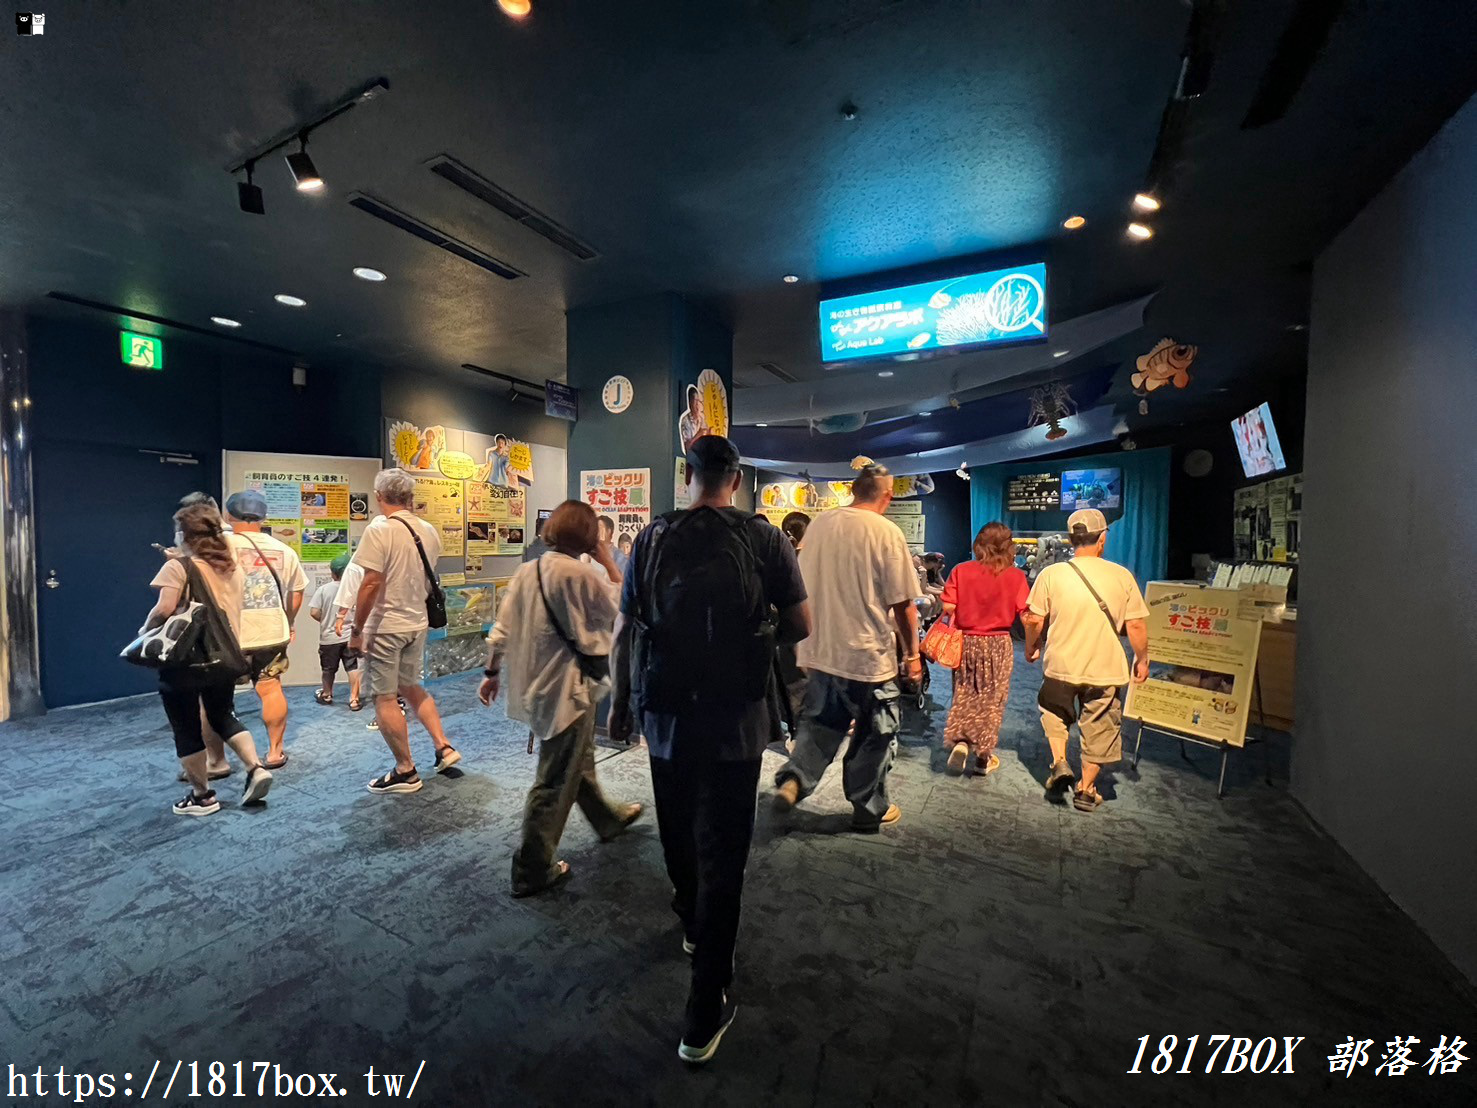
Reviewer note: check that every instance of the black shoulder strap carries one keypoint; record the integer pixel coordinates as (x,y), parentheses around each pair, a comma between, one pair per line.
(538,569)
(1113,623)
(425,562)
(281,592)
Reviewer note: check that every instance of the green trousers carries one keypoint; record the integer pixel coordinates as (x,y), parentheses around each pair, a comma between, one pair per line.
(565,777)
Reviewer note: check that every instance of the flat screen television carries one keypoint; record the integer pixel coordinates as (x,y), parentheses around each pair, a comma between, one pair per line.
(1092,488)
(1004,305)
(1256,441)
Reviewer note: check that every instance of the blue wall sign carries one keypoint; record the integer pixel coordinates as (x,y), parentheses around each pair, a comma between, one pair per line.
(1006,305)
(561,401)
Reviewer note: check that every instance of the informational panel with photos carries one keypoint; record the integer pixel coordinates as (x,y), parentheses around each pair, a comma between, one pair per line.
(1202,662)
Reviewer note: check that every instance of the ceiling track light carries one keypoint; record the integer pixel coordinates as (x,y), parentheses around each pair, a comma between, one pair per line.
(1140,231)
(304,173)
(1146,202)
(1073,222)
(249,194)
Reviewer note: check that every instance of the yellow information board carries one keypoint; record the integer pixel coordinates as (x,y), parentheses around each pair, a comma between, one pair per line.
(1202,663)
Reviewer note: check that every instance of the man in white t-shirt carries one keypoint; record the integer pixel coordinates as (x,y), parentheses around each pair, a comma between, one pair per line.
(859,575)
(1086,604)
(275,583)
(390,626)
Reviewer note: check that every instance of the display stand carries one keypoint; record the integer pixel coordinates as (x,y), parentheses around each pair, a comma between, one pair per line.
(1225,748)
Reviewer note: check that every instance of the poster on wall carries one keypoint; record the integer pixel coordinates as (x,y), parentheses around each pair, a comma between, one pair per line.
(919,485)
(681,492)
(909,518)
(1202,663)
(497,520)
(438,501)
(1033,492)
(622,494)
(507,461)
(704,410)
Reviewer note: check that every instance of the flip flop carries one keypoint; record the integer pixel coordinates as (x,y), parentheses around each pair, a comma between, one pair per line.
(558,879)
(278,764)
(213,775)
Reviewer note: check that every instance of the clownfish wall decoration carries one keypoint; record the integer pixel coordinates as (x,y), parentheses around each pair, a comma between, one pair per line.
(1169,362)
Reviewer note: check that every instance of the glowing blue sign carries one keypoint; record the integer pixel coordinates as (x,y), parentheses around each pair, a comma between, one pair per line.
(1008,305)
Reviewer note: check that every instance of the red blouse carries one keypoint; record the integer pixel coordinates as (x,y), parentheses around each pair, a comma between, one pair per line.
(985,604)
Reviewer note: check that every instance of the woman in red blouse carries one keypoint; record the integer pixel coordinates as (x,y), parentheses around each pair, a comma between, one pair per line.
(982,599)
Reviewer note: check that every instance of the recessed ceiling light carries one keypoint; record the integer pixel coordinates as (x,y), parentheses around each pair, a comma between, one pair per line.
(884,373)
(1146,202)
(224,322)
(1060,353)
(761,425)
(1139,231)
(364,273)
(516,8)
(290,301)
(925,413)
(1072,222)
(791,278)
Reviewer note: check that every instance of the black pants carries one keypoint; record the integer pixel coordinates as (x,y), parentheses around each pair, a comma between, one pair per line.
(705,814)
(182,706)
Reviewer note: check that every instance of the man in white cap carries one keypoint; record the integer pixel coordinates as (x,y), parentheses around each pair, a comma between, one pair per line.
(1088,603)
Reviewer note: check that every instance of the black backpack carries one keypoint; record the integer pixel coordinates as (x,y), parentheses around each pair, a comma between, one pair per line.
(704,631)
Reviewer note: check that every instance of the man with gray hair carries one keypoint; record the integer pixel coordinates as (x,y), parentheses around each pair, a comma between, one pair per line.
(398,554)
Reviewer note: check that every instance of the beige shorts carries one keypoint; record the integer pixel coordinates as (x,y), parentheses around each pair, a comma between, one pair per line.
(392,661)
(1097,712)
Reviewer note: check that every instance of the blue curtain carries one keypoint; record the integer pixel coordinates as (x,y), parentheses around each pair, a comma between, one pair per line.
(1139,533)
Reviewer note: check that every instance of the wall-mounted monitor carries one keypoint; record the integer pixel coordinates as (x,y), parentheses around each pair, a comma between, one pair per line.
(1005,305)
(1256,441)
(1092,488)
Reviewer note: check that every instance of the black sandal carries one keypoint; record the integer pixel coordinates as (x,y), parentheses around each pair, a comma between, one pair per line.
(397,782)
(323,698)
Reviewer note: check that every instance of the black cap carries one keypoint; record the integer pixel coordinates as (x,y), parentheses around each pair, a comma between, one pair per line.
(712,454)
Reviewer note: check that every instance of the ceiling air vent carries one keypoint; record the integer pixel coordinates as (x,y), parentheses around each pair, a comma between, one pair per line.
(777,371)
(448,168)
(412,226)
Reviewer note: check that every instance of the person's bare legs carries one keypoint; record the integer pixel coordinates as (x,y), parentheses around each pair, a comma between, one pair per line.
(215,749)
(274,715)
(354,684)
(424,706)
(394,730)
(244,747)
(194,767)
(328,685)
(1089,775)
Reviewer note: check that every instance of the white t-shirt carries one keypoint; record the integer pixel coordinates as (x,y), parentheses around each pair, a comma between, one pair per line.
(388,548)
(324,603)
(1081,648)
(348,591)
(856,566)
(226,588)
(263,617)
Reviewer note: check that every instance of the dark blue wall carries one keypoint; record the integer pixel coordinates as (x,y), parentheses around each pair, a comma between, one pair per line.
(947,511)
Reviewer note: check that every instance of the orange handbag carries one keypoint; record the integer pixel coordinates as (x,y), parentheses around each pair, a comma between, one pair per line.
(944,645)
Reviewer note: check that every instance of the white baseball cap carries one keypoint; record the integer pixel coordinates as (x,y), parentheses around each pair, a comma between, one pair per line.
(1086,521)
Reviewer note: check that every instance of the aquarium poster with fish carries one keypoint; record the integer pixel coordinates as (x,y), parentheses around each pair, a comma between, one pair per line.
(1202,663)
(1002,306)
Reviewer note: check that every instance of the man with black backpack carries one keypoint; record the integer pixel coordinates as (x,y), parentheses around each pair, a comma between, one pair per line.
(860,576)
(708,593)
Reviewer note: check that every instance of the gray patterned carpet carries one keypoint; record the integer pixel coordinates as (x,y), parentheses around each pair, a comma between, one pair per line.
(993,948)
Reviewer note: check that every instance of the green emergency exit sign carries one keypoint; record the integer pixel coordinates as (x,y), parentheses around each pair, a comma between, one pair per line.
(141,351)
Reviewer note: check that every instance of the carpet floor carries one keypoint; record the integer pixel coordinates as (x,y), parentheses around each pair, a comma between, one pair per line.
(993,948)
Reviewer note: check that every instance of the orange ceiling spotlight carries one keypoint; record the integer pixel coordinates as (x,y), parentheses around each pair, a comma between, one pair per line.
(1073,222)
(518,9)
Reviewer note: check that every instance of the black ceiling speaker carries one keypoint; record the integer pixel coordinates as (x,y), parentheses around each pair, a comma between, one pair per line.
(1301,42)
(249,195)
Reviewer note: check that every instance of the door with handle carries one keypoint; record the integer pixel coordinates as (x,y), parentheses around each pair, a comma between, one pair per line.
(94,561)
